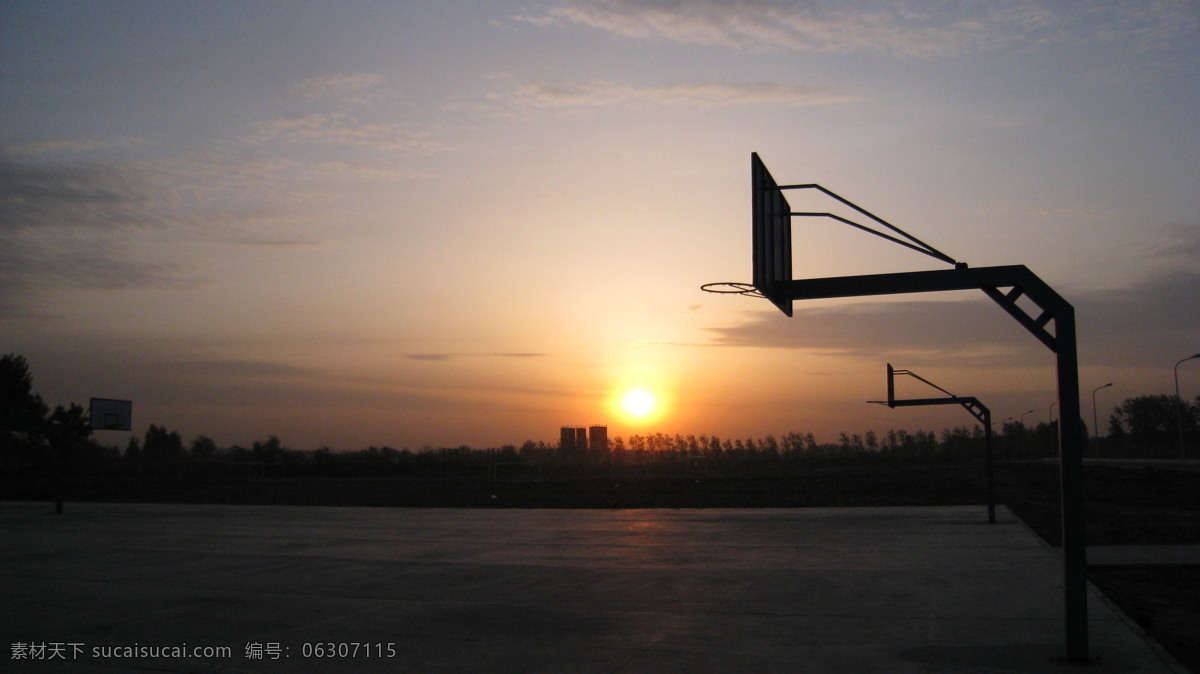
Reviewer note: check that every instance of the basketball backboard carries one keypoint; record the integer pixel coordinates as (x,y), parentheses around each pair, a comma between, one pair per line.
(111,415)
(772,224)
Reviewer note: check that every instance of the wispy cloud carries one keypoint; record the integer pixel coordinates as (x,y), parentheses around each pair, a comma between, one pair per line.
(60,146)
(1183,248)
(692,94)
(277,243)
(906,29)
(449,356)
(972,331)
(35,196)
(1149,26)
(1138,324)
(337,86)
(29,266)
(63,226)
(771,25)
(340,128)
(230,368)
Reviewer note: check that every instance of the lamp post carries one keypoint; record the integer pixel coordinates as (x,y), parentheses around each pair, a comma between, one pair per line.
(1095,419)
(1050,423)
(1021,447)
(1179,404)
(1007,441)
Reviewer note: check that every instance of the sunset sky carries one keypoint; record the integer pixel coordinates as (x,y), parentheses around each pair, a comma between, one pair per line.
(435,224)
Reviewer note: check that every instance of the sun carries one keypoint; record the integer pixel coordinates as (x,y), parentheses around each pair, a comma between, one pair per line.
(639,403)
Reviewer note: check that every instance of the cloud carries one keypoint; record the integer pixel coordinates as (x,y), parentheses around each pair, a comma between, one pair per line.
(230,368)
(62,227)
(71,146)
(38,196)
(28,268)
(449,356)
(905,29)
(1183,247)
(968,331)
(692,94)
(1144,323)
(277,243)
(339,128)
(337,86)
(1148,26)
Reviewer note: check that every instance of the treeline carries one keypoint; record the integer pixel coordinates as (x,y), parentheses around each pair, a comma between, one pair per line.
(34,439)
(162,451)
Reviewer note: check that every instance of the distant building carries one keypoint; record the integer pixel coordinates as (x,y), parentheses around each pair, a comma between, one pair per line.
(598,439)
(566,438)
(576,440)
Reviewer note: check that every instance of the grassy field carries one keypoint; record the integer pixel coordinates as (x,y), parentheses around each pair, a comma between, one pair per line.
(1124,505)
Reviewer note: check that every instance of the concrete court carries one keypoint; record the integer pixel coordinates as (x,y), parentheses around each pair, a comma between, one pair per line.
(729,590)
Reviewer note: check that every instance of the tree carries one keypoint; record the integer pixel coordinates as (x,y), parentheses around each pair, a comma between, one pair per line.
(203,447)
(68,429)
(1150,421)
(271,451)
(770,447)
(161,444)
(22,414)
(21,411)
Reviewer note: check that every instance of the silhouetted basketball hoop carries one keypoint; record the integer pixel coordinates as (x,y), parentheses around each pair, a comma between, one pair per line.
(970,403)
(1053,324)
(732,288)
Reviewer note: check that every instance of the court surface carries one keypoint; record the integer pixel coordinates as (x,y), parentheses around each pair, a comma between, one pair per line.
(104,587)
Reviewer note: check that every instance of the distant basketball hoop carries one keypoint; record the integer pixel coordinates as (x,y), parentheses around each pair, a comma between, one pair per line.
(111,415)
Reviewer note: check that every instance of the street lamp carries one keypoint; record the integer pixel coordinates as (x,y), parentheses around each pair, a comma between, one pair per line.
(1007,441)
(1050,423)
(1095,422)
(1179,404)
(1021,447)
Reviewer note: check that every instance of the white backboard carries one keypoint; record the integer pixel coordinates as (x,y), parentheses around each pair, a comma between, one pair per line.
(112,415)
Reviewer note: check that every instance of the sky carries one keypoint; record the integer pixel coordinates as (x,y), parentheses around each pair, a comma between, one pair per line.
(471,223)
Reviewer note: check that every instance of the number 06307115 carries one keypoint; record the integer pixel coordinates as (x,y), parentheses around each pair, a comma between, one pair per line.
(348,649)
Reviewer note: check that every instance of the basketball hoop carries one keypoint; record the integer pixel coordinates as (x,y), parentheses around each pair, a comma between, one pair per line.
(731,288)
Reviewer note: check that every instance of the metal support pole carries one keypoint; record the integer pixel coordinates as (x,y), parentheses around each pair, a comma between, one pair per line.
(1071,469)
(1179,405)
(991,479)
